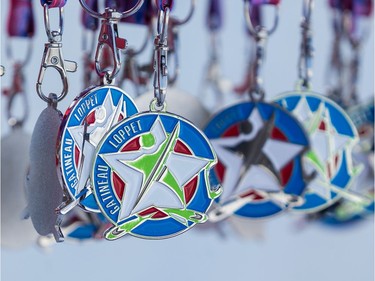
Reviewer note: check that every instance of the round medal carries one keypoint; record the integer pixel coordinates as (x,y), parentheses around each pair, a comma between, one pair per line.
(85,123)
(332,136)
(260,148)
(150,176)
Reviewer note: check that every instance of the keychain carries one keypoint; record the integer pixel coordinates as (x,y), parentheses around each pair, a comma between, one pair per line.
(42,182)
(179,101)
(16,232)
(214,85)
(92,114)
(137,74)
(90,25)
(347,16)
(260,148)
(150,173)
(331,132)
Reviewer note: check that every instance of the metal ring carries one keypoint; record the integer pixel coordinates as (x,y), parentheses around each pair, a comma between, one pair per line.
(62,95)
(53,34)
(307,7)
(256,94)
(254,30)
(124,14)
(154,105)
(177,22)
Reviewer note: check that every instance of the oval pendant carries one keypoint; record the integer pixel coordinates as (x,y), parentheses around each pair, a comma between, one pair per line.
(333,136)
(260,148)
(43,189)
(150,176)
(86,121)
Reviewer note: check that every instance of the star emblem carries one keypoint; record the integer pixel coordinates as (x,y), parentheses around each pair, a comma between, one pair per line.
(155,174)
(253,159)
(87,136)
(327,146)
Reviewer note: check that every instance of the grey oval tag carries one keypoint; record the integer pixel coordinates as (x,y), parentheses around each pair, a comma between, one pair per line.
(42,184)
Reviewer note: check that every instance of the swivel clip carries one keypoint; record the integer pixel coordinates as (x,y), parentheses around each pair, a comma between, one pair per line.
(109,37)
(52,57)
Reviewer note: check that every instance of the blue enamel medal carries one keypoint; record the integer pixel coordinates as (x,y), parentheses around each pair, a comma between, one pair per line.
(150,176)
(151,171)
(85,123)
(260,148)
(333,136)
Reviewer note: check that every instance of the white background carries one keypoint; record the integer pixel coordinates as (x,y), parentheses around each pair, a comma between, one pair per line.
(288,250)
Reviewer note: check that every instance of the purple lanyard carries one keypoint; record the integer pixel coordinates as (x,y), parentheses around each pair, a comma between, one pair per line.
(87,20)
(53,3)
(21,19)
(263,2)
(215,15)
(358,7)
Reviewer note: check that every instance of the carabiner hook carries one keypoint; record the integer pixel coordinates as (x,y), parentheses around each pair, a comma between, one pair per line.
(53,35)
(109,37)
(17,89)
(307,49)
(52,57)
(161,58)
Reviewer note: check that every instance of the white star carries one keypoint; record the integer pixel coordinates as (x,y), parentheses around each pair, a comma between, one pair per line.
(302,111)
(237,181)
(154,190)
(326,145)
(106,116)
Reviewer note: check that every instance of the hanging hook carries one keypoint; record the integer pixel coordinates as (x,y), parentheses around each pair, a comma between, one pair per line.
(17,89)
(161,58)
(307,49)
(52,56)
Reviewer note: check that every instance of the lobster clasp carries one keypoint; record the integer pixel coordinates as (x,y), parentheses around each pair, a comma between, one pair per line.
(161,58)
(52,57)
(109,37)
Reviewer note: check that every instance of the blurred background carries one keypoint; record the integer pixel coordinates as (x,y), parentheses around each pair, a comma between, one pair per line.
(285,247)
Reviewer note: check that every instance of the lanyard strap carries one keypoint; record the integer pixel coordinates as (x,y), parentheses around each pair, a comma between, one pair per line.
(53,3)
(21,19)
(88,21)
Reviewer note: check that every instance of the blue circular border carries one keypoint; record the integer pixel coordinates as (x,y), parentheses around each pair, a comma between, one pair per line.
(97,94)
(189,134)
(287,124)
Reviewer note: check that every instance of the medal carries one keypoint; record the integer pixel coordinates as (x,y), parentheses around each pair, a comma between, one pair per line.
(150,173)
(85,123)
(260,148)
(333,137)
(331,132)
(89,118)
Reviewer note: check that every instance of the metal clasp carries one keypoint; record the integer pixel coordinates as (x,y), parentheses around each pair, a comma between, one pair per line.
(260,33)
(307,49)
(52,57)
(16,89)
(161,58)
(109,37)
